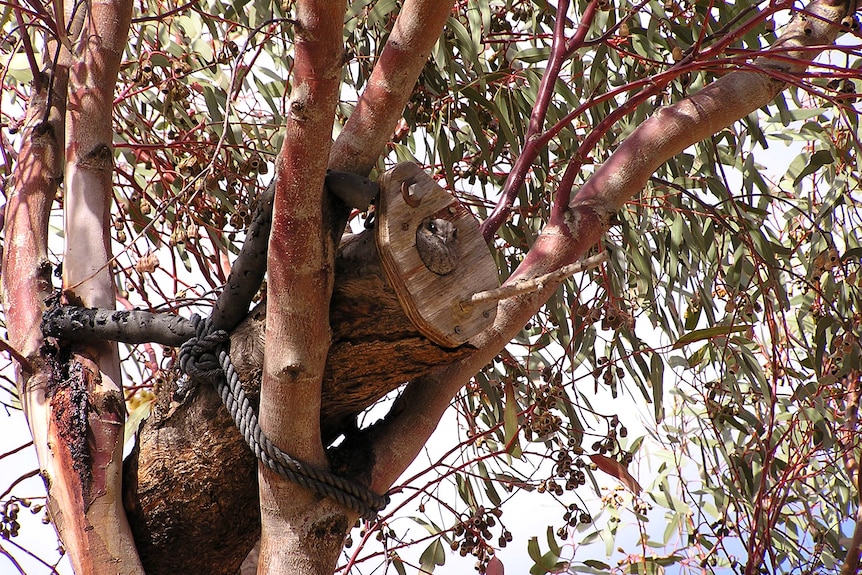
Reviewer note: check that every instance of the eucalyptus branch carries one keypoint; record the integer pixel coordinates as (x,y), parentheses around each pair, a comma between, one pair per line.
(28,47)
(851,562)
(246,275)
(137,326)
(851,466)
(529,285)
(574,228)
(247,271)
(23,361)
(366,134)
(534,141)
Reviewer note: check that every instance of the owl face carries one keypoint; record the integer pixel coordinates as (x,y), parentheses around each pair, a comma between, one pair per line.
(437,244)
(442,230)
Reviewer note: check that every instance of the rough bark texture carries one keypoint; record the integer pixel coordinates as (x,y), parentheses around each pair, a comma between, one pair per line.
(375,349)
(198,467)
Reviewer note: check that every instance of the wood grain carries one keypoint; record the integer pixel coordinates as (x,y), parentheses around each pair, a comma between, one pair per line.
(432,302)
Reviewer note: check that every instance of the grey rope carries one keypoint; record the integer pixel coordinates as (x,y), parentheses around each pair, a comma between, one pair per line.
(204,358)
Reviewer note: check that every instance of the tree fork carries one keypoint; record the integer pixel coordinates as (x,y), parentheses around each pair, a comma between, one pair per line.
(375,349)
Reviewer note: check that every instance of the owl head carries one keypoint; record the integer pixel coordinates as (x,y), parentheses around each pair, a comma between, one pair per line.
(444,230)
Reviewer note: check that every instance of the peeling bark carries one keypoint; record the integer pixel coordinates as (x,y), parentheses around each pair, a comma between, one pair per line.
(101,541)
(26,278)
(417,29)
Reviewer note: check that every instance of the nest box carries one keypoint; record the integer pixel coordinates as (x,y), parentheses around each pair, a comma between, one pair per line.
(432,300)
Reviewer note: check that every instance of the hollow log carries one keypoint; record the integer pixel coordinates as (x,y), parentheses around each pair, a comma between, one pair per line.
(192,478)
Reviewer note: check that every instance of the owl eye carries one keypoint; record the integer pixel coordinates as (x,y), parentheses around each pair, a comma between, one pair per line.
(455,234)
(432,227)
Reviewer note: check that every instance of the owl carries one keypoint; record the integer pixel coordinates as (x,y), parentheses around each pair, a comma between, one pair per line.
(437,244)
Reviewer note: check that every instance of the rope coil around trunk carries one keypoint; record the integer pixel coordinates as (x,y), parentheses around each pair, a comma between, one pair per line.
(204,359)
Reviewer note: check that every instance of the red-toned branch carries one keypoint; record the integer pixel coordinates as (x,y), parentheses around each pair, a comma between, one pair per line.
(673,128)
(571,232)
(26,271)
(26,278)
(28,47)
(300,534)
(851,561)
(561,50)
(370,127)
(79,463)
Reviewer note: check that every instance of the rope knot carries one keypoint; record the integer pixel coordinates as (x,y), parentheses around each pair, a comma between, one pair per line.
(199,355)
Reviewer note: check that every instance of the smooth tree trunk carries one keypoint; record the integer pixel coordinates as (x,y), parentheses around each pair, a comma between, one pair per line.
(71,398)
(89,406)
(26,281)
(301,532)
(363,307)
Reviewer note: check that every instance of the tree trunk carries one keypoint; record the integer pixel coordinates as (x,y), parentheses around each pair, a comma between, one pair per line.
(375,348)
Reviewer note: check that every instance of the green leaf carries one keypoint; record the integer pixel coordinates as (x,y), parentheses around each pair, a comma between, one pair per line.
(434,555)
(490,490)
(215,100)
(533,549)
(543,563)
(796,115)
(709,333)
(465,490)
(510,422)
(657,385)
(552,541)
(381,11)
(818,159)
(532,55)
(398,563)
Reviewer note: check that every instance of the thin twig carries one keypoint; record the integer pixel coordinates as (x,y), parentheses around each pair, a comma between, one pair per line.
(16,355)
(28,47)
(28,475)
(16,450)
(534,284)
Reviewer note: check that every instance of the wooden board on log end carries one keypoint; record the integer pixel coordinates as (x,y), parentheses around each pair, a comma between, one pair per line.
(408,196)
